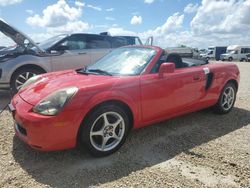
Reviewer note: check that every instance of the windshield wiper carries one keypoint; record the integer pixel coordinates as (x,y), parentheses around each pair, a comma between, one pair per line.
(81,71)
(99,71)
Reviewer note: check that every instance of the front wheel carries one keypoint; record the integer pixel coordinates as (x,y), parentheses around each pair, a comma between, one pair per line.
(105,130)
(21,76)
(226,100)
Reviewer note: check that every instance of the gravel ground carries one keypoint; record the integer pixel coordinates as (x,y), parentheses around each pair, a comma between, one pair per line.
(196,150)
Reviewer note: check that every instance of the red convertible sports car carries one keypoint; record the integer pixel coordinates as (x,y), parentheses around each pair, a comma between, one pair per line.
(131,87)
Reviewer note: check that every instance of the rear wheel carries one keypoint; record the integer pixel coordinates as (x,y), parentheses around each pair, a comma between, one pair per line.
(21,76)
(226,100)
(104,131)
(230,59)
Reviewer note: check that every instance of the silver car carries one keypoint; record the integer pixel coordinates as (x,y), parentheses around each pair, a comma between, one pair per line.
(67,51)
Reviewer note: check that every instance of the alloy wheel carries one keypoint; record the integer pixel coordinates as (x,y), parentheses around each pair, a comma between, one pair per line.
(22,78)
(107,131)
(227,99)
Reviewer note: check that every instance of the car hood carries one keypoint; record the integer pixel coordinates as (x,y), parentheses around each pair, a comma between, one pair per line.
(51,82)
(17,36)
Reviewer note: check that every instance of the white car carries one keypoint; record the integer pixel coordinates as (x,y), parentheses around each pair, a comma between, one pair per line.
(66,51)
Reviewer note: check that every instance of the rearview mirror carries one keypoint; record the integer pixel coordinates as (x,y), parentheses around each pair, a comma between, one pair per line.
(167,67)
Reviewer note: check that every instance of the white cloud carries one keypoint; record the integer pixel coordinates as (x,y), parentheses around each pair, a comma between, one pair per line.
(29,11)
(79,4)
(60,18)
(9,2)
(191,8)
(110,9)
(135,20)
(148,1)
(120,31)
(70,27)
(161,34)
(222,17)
(94,7)
(216,22)
(110,18)
(55,15)
(172,24)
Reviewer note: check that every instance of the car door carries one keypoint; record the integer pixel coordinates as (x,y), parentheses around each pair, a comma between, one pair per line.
(98,46)
(174,93)
(75,55)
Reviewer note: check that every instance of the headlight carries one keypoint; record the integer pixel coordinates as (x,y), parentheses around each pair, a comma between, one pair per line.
(30,81)
(54,103)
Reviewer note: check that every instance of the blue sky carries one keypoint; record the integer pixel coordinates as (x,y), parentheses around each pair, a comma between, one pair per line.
(197,23)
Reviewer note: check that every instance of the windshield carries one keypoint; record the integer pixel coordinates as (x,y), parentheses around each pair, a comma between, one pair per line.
(51,41)
(209,52)
(231,51)
(124,61)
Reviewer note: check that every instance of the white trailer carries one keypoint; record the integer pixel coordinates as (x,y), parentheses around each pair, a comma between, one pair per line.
(236,52)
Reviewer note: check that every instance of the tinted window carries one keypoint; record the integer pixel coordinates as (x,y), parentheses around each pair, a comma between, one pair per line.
(131,40)
(245,50)
(97,42)
(118,42)
(75,42)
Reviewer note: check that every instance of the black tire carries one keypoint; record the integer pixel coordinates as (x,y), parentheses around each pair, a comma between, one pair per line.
(222,108)
(95,120)
(230,59)
(13,82)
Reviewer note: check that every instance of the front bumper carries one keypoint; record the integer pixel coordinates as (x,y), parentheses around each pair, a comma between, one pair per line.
(46,133)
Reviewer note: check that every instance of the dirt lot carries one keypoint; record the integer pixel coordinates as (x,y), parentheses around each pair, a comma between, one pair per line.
(197,150)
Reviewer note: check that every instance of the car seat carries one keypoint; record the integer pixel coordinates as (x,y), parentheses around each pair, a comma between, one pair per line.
(176,59)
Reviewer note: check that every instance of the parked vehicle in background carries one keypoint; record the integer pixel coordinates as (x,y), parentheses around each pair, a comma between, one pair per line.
(67,51)
(185,52)
(214,52)
(203,51)
(131,87)
(132,40)
(248,57)
(236,52)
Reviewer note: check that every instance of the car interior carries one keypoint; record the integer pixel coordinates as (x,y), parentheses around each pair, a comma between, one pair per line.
(178,61)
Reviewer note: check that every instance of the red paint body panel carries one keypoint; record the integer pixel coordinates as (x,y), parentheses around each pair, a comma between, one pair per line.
(151,99)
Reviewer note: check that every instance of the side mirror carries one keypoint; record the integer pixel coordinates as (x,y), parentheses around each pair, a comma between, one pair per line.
(167,67)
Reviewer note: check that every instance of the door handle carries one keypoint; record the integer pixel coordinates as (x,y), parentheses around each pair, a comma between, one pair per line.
(196,77)
(82,53)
